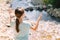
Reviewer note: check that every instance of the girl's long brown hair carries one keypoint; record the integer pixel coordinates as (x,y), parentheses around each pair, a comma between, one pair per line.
(20,13)
(17,25)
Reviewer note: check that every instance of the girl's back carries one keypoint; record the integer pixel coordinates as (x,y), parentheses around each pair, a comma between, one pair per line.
(24,31)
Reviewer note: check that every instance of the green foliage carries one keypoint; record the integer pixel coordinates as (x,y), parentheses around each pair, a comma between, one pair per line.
(55,3)
(48,1)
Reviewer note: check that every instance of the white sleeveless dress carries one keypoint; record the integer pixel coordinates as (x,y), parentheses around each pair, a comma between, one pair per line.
(24,31)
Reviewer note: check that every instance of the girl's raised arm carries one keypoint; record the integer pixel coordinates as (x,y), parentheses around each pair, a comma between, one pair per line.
(37,22)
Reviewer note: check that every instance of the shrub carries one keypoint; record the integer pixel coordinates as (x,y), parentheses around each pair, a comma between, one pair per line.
(55,3)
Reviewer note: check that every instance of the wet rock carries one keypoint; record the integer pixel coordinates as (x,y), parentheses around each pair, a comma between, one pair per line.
(29,9)
(39,9)
(44,7)
(26,10)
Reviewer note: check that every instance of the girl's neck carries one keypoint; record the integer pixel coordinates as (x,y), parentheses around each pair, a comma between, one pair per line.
(20,20)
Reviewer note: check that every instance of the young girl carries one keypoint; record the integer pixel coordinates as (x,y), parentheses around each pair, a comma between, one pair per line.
(22,27)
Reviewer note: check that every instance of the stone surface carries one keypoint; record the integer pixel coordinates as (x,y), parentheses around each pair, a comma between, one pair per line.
(54,12)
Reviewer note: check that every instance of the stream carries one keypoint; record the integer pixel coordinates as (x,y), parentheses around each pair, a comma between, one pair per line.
(32,15)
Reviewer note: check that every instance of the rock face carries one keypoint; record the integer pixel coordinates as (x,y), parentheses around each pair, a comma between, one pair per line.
(54,12)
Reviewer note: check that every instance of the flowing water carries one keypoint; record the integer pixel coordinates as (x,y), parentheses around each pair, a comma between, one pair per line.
(32,15)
